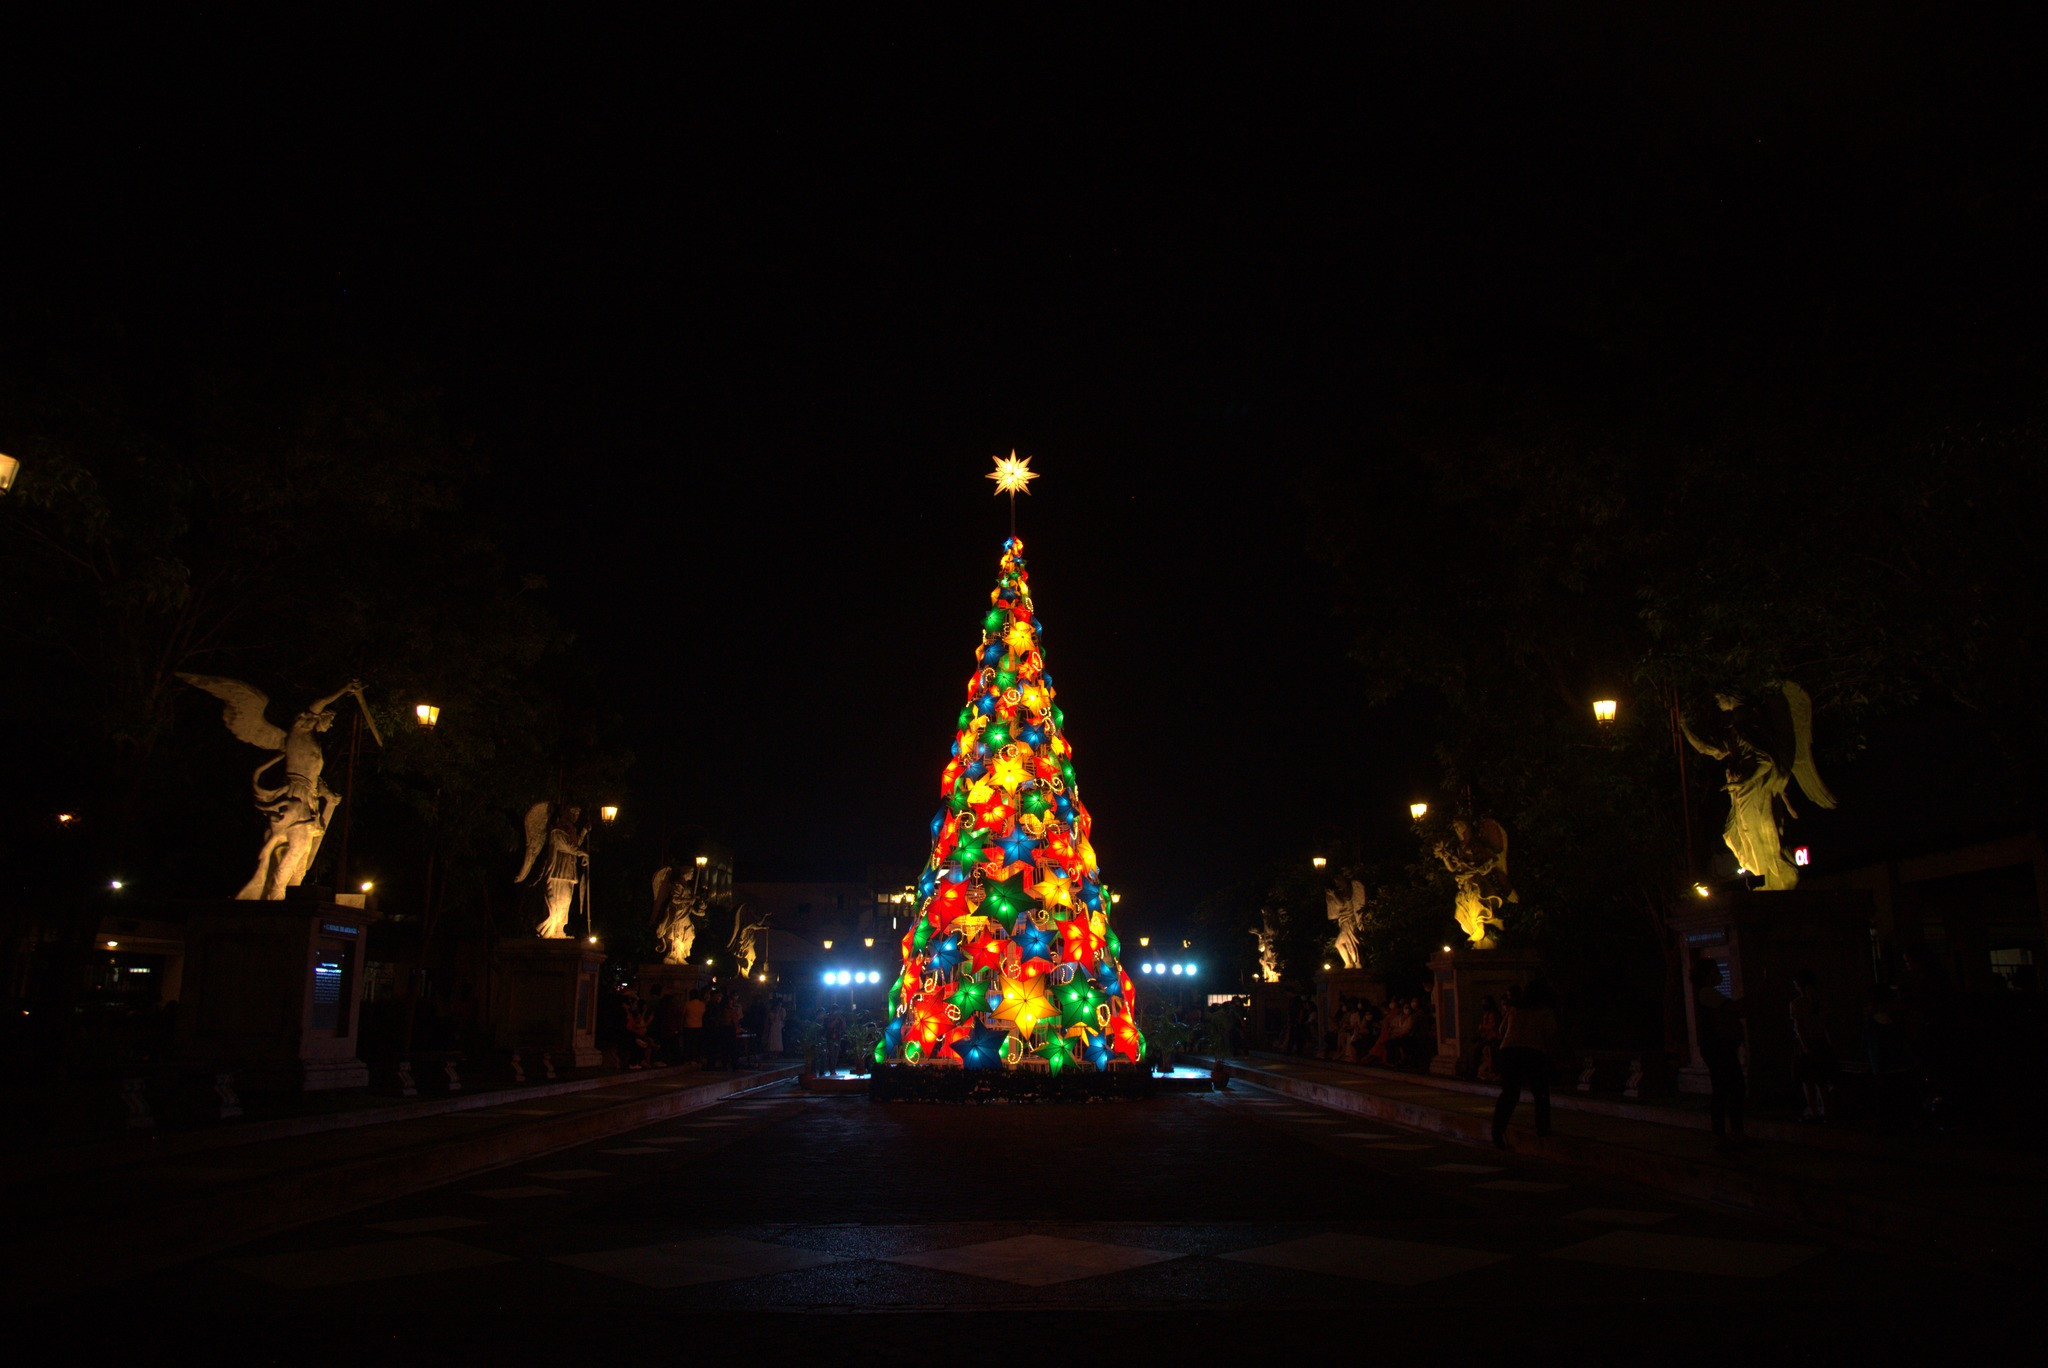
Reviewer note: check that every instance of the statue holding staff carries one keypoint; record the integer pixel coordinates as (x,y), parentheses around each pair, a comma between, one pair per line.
(558,831)
(298,809)
(1763,748)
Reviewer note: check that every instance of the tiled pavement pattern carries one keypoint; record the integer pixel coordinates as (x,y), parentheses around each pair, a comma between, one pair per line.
(1192,1205)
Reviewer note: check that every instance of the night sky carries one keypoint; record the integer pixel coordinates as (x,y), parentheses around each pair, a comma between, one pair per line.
(741,316)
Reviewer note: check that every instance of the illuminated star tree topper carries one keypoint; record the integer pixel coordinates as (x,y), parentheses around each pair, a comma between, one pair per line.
(1013,477)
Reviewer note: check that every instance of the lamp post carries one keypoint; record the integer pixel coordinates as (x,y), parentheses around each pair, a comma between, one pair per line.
(1319,861)
(427,715)
(1603,711)
(1418,810)
(9,469)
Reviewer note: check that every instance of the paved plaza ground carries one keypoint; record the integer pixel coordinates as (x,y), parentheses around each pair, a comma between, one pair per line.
(783,1225)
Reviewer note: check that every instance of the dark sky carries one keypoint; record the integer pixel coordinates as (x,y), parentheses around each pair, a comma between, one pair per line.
(742,313)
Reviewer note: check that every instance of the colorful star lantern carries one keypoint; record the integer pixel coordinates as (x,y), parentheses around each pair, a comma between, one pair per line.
(1011,962)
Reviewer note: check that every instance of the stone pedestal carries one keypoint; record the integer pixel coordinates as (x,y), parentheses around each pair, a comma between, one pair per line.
(1333,986)
(1460,980)
(1758,941)
(1265,1023)
(544,997)
(676,980)
(273,991)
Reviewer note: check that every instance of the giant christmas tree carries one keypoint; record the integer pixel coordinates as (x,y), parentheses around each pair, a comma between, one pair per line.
(1011,962)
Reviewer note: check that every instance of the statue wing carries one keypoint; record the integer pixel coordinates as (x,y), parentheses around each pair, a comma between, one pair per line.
(1495,836)
(660,895)
(1801,706)
(536,838)
(245,709)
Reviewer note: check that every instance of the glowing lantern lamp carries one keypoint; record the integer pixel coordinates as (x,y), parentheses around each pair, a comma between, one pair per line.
(1418,810)
(1319,862)
(429,716)
(9,468)
(1603,710)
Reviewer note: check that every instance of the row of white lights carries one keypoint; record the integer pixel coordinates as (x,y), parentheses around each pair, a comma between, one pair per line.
(1156,968)
(847,977)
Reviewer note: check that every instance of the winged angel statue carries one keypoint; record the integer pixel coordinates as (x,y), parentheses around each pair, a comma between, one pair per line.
(748,939)
(677,905)
(1763,747)
(1478,861)
(300,808)
(1348,911)
(558,831)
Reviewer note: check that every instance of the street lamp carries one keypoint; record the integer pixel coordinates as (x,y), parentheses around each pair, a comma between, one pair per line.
(703,860)
(1318,861)
(9,468)
(427,715)
(66,818)
(608,814)
(1418,810)
(369,885)
(868,941)
(1144,941)
(828,945)
(1603,710)
(1115,898)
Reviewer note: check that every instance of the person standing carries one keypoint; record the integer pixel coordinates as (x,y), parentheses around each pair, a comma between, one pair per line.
(665,1025)
(1526,1045)
(693,1029)
(1815,1062)
(1717,1025)
(777,1014)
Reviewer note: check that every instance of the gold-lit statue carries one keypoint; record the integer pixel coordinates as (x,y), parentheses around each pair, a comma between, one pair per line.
(1478,861)
(748,939)
(678,902)
(1348,912)
(300,808)
(1763,747)
(1268,938)
(565,872)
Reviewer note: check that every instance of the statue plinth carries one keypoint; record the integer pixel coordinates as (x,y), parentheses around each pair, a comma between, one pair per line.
(544,997)
(1759,941)
(273,991)
(1462,979)
(676,980)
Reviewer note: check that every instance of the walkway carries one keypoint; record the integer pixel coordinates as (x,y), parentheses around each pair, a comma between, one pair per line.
(126,1209)
(783,1226)
(1976,1208)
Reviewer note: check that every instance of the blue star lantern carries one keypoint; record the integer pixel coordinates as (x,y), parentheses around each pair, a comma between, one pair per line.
(947,955)
(983,1048)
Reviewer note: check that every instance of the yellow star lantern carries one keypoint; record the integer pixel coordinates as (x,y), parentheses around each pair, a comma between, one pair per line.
(1013,476)
(1055,890)
(1018,638)
(1025,1005)
(1008,774)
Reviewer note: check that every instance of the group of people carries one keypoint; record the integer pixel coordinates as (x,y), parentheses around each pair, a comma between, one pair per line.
(711,1030)
(1401,1036)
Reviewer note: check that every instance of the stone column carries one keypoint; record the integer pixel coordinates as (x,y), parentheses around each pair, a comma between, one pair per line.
(544,998)
(1460,979)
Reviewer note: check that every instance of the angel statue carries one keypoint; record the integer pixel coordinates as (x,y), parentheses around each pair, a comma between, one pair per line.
(300,808)
(1269,940)
(746,939)
(1479,863)
(677,906)
(565,871)
(1349,914)
(1763,747)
